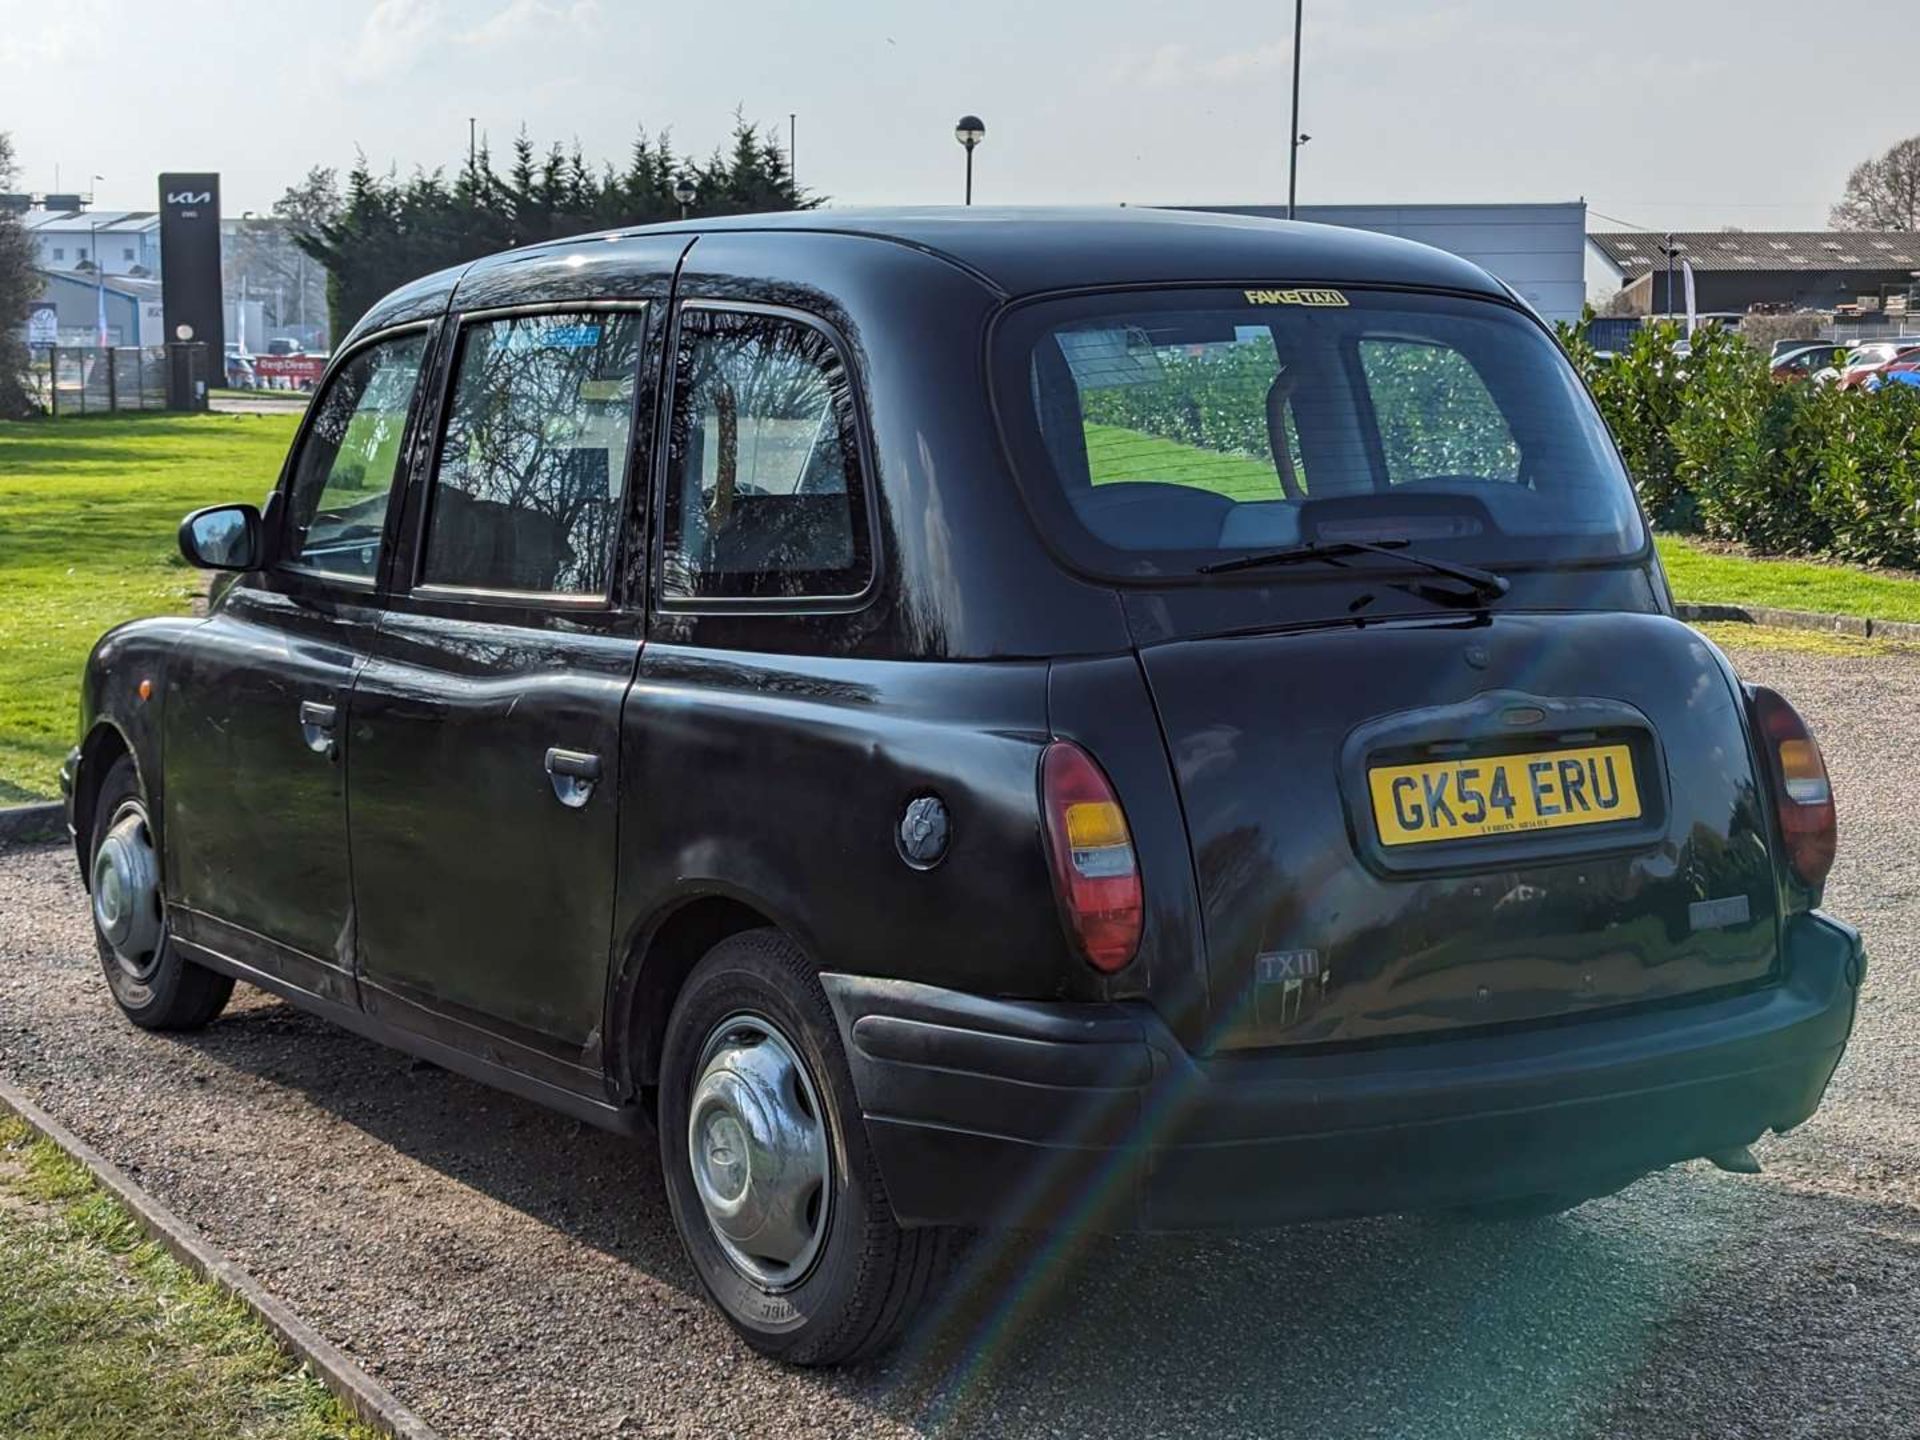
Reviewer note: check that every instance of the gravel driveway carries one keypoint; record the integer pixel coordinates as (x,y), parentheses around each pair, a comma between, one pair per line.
(510,1273)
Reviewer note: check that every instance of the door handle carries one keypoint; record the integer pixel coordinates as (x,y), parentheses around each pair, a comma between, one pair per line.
(574,773)
(316,726)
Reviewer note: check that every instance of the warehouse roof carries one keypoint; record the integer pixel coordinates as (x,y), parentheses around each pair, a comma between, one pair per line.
(1634,252)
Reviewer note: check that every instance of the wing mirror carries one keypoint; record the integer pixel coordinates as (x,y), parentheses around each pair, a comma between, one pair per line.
(222,537)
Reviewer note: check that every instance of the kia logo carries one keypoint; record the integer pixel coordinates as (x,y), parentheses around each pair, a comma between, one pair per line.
(189,197)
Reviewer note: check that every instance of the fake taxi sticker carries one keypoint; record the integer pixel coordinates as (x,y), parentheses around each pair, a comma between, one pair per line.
(1295,297)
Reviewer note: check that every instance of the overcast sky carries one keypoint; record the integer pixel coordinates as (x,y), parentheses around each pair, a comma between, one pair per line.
(1662,113)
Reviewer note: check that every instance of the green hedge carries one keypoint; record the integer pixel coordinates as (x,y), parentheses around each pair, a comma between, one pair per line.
(1217,400)
(1716,446)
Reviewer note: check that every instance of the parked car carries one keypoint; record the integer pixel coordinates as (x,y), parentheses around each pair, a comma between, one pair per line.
(1806,360)
(1858,376)
(1899,373)
(823,691)
(240,374)
(1782,348)
(1864,360)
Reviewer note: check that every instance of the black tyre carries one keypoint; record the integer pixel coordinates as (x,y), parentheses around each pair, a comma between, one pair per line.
(155,988)
(773,1188)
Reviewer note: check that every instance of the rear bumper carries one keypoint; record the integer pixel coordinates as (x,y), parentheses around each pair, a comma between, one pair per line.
(1024,1113)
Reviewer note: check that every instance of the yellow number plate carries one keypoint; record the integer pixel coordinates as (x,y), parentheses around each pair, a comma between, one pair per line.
(1503,794)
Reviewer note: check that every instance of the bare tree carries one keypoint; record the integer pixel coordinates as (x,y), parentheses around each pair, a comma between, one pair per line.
(1883,193)
(266,250)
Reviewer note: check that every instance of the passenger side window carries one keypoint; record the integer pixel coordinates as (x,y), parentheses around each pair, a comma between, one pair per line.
(343,480)
(532,467)
(1435,414)
(764,494)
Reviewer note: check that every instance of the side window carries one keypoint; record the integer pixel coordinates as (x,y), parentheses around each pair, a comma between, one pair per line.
(343,480)
(764,495)
(1435,414)
(531,470)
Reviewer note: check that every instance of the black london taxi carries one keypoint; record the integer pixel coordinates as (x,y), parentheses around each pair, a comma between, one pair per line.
(980,719)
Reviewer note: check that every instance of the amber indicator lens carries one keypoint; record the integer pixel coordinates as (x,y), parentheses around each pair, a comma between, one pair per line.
(1802,793)
(1095,875)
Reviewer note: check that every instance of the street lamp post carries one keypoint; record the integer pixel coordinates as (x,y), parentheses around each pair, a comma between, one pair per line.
(1669,249)
(684,191)
(1294,138)
(970,130)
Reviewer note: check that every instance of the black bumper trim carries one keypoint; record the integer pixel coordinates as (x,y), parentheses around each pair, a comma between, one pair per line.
(987,1112)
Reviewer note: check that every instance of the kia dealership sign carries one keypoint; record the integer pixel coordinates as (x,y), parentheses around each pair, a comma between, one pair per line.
(190,251)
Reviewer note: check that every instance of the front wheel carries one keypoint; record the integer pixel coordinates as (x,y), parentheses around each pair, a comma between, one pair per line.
(152,984)
(774,1191)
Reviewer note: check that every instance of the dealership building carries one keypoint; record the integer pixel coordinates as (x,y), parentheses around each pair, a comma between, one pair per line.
(1538,249)
(1861,272)
(129,306)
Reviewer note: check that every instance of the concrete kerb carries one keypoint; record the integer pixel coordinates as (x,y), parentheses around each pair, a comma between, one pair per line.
(356,1389)
(1860,626)
(30,824)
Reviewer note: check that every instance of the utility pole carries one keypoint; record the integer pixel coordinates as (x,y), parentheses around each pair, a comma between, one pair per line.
(1669,249)
(793,170)
(1293,133)
(472,150)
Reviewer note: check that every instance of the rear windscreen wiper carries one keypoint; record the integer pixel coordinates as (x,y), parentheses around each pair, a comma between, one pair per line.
(1484,582)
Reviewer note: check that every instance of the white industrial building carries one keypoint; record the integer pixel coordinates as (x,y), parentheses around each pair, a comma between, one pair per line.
(1538,249)
(120,242)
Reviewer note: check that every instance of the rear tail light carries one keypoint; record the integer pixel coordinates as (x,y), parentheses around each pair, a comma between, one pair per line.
(1095,874)
(1802,794)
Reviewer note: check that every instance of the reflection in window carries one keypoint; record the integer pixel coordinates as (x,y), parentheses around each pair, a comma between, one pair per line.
(1435,414)
(1225,404)
(533,464)
(763,495)
(344,476)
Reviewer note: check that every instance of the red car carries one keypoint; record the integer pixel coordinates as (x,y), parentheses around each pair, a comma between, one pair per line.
(1900,372)
(1905,351)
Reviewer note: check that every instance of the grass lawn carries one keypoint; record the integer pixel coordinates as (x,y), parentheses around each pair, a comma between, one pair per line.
(1706,577)
(104,1336)
(1117,453)
(88,510)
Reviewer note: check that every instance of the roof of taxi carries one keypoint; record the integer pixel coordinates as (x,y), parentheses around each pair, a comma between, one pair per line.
(1020,251)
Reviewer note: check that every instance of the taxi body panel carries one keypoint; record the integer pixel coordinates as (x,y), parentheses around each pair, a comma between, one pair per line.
(417,866)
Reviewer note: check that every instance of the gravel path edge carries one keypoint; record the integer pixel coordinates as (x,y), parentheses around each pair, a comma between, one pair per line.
(371,1401)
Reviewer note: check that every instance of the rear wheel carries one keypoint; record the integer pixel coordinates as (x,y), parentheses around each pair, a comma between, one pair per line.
(765,1156)
(152,984)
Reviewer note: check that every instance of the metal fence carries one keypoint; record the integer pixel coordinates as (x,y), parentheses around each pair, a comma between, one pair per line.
(99,380)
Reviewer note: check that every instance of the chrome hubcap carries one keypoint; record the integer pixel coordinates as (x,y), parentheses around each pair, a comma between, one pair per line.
(126,891)
(757,1143)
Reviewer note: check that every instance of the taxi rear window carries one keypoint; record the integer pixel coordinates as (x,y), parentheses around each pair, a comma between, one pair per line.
(1158,432)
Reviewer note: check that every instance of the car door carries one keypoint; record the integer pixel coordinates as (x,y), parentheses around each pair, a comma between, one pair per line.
(258,698)
(486,726)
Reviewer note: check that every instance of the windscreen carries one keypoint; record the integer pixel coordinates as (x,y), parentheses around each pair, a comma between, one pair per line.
(1159,432)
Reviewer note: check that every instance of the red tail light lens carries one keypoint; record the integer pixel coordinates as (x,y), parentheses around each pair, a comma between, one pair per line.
(1095,874)
(1802,794)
